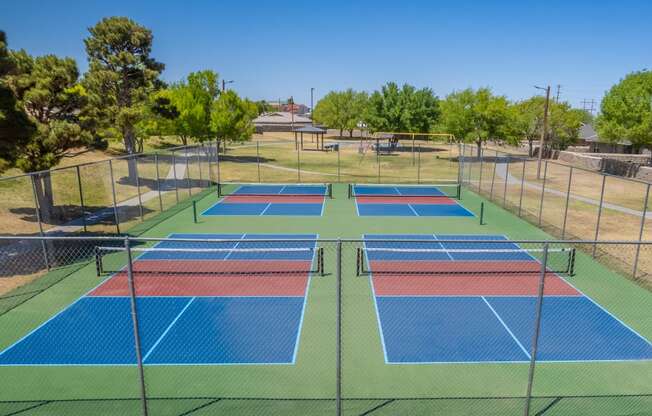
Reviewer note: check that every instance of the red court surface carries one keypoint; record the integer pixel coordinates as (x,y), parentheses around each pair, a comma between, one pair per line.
(436,200)
(289,199)
(215,267)
(163,284)
(470,285)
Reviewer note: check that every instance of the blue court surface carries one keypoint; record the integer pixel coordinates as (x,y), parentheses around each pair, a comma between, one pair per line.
(397,190)
(182,330)
(467,326)
(265,209)
(413,210)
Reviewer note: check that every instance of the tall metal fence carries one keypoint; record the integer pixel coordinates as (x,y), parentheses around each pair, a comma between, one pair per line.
(361,328)
(566,201)
(114,195)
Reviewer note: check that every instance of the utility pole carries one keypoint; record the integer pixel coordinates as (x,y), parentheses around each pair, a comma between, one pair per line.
(558,92)
(544,130)
(588,105)
(312,108)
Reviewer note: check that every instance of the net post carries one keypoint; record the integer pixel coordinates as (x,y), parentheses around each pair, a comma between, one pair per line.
(537,330)
(481,213)
(321,261)
(459,191)
(329,189)
(358,251)
(134,319)
(597,225)
(219,190)
(349,190)
(338,389)
(98,262)
(640,232)
(571,262)
(194,211)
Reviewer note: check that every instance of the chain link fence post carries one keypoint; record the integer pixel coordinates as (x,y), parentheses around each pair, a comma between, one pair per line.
(198,154)
(217,145)
(188,178)
(258,158)
(338,390)
(158,182)
(37,210)
(174,173)
(419,164)
(520,198)
(640,232)
(568,189)
(81,198)
(543,190)
(537,330)
(115,202)
(134,320)
(481,168)
(597,224)
(298,165)
(506,178)
(140,200)
(338,162)
(493,177)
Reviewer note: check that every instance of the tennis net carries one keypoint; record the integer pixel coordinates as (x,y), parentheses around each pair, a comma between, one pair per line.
(212,261)
(275,189)
(398,261)
(450,190)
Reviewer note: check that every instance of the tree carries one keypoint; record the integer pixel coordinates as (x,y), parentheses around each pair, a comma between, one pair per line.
(231,117)
(477,116)
(626,111)
(404,109)
(15,126)
(263,106)
(564,122)
(121,76)
(192,100)
(341,110)
(47,90)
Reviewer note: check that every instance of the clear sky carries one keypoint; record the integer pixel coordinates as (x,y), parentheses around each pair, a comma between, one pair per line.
(274,49)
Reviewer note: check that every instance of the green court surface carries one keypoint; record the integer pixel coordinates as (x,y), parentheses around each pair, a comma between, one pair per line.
(369,385)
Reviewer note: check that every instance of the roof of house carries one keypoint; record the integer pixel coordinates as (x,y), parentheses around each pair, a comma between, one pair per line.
(281,117)
(588,134)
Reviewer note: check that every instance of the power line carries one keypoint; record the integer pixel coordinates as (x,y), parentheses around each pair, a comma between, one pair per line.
(588,105)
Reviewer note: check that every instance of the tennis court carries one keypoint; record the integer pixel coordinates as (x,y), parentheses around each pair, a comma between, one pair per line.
(408,200)
(271,199)
(444,299)
(248,297)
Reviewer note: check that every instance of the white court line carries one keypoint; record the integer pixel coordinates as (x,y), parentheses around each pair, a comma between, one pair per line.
(506,328)
(174,321)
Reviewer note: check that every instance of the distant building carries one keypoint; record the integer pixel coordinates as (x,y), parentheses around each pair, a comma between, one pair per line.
(300,109)
(280,121)
(589,137)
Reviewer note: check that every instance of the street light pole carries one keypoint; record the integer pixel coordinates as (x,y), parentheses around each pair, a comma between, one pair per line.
(224,84)
(544,131)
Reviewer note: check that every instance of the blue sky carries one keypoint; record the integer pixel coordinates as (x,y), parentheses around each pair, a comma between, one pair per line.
(276,49)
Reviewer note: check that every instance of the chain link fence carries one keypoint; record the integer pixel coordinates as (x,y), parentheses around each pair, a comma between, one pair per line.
(567,202)
(304,326)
